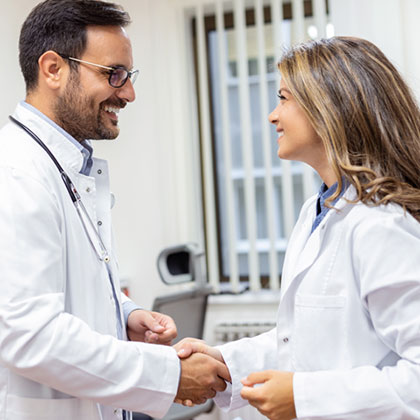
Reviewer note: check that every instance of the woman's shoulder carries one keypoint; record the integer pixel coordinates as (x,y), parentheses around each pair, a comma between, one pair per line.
(365,219)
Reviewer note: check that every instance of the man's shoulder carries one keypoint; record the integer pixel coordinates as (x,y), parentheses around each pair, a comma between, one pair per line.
(17,151)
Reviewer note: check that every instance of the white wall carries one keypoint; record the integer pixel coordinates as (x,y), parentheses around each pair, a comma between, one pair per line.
(154,162)
(391,24)
(154,170)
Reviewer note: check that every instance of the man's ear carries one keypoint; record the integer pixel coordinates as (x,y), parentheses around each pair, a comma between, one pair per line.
(53,70)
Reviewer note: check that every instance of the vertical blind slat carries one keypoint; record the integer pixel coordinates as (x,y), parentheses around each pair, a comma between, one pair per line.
(246,135)
(226,139)
(320,17)
(268,178)
(211,227)
(286,178)
(298,20)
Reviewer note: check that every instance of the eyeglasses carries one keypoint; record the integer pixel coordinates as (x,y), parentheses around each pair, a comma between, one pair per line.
(118,75)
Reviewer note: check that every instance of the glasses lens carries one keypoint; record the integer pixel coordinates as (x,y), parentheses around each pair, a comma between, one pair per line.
(133,76)
(118,77)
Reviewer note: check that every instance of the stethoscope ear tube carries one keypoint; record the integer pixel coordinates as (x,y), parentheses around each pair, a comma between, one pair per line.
(66,179)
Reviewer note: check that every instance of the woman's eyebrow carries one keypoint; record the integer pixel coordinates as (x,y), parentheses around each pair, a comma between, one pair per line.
(284,90)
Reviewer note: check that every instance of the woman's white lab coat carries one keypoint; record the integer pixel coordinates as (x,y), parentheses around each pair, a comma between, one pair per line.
(348,320)
(59,356)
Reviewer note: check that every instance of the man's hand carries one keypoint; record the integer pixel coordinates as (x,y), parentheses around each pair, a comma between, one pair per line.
(189,346)
(274,399)
(151,327)
(201,377)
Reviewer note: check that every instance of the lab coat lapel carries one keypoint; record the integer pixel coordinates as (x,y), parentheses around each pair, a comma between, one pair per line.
(304,247)
(296,244)
(303,250)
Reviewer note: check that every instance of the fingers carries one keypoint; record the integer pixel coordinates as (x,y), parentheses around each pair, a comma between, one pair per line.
(161,328)
(152,323)
(274,398)
(185,347)
(256,378)
(253,395)
(200,378)
(218,386)
(224,373)
(185,403)
(197,346)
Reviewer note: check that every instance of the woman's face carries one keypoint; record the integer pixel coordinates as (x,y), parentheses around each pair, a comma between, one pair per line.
(297,138)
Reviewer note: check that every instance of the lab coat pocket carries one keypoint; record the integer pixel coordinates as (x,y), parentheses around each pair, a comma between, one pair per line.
(21,408)
(319,338)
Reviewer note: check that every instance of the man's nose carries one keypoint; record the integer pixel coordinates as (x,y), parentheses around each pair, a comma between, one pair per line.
(127,92)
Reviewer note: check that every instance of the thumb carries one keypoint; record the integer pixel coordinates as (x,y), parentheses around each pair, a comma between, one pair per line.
(186,350)
(152,324)
(256,378)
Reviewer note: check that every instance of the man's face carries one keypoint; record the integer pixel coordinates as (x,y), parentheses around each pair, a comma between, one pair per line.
(88,106)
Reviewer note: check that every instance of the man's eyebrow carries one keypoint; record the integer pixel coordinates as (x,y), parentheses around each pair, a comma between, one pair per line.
(117,65)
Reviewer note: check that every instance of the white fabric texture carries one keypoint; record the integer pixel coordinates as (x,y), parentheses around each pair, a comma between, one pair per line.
(348,321)
(59,355)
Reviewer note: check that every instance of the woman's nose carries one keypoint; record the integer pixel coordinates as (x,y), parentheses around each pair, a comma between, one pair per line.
(273,116)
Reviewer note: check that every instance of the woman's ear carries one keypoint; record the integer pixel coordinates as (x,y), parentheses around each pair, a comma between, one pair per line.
(52,70)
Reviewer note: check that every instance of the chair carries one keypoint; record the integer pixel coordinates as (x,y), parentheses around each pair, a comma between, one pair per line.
(183,264)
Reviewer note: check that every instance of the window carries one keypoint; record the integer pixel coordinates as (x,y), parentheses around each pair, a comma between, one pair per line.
(257,196)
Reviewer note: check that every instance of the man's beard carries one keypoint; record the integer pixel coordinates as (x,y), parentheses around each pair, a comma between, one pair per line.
(76,113)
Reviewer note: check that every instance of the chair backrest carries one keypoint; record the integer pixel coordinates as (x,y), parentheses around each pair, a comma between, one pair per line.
(187,308)
(184,264)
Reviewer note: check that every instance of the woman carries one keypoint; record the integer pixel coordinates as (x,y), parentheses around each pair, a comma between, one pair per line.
(347,342)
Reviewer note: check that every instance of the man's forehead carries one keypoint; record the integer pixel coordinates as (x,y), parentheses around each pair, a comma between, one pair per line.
(109,43)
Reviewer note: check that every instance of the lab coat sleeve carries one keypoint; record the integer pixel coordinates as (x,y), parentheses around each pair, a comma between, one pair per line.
(386,259)
(42,342)
(243,357)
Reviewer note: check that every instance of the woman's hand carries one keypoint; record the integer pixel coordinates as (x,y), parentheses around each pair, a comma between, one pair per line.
(274,398)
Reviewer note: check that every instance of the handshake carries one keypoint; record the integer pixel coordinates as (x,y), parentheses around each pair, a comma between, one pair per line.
(203,372)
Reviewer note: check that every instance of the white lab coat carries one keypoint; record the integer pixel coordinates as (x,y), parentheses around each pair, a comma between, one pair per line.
(59,356)
(348,320)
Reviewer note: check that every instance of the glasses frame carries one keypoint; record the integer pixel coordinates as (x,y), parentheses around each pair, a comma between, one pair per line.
(131,74)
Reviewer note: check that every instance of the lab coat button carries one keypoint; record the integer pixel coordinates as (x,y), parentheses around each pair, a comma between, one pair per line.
(88,190)
(99,223)
(285,340)
(99,171)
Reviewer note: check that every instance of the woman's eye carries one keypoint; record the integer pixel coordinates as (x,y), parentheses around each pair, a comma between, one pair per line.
(281,97)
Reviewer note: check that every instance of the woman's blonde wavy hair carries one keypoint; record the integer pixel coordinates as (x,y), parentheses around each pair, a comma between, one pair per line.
(365,115)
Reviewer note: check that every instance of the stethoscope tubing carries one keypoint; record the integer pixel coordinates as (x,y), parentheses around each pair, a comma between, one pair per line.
(73,193)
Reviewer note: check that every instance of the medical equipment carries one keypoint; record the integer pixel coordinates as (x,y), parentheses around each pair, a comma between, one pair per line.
(88,226)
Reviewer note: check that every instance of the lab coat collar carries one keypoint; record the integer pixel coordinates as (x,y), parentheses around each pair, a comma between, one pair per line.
(304,247)
(64,151)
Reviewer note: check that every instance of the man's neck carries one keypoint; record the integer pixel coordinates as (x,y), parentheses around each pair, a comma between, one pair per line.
(42,105)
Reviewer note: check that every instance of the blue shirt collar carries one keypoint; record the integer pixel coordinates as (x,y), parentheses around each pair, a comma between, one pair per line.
(323,195)
(85,148)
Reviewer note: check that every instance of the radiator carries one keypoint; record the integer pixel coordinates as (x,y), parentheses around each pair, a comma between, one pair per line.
(226,332)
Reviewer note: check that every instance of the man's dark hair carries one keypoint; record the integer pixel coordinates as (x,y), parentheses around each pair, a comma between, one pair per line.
(60,25)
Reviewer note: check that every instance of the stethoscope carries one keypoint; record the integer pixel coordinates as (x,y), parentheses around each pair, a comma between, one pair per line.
(88,226)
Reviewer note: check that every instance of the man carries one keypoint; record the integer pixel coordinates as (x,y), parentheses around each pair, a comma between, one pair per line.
(64,324)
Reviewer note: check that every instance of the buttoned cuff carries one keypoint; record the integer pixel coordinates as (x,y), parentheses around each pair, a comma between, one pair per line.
(128,307)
